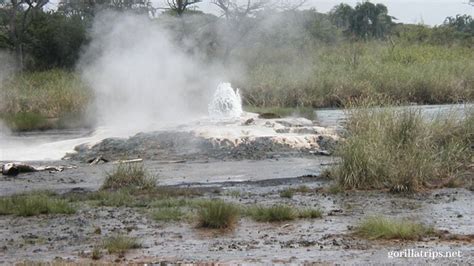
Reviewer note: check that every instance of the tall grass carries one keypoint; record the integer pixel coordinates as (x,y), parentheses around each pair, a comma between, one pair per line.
(401,150)
(53,94)
(325,76)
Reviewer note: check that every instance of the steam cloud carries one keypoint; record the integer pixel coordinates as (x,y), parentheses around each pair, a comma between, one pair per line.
(7,69)
(140,78)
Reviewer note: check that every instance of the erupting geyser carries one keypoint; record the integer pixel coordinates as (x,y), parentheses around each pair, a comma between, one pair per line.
(225,103)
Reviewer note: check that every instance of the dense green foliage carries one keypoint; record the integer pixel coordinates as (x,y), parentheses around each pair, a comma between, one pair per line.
(366,20)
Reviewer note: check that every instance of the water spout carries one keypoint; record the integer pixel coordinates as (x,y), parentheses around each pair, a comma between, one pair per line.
(225,103)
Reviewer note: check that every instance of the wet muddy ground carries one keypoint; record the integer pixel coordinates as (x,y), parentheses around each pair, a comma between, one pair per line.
(327,240)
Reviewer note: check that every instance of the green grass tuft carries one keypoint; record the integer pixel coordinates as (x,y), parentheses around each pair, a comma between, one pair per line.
(275,213)
(34,204)
(388,228)
(309,213)
(168,214)
(129,175)
(217,214)
(96,253)
(120,244)
(287,193)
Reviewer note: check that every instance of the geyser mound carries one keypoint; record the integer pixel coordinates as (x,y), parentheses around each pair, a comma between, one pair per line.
(225,103)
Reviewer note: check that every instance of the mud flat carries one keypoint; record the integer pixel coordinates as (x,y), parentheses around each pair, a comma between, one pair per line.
(330,239)
(246,162)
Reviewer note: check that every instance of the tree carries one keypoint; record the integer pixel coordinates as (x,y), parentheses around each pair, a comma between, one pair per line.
(20,14)
(54,40)
(242,17)
(461,23)
(341,15)
(366,20)
(87,9)
(179,7)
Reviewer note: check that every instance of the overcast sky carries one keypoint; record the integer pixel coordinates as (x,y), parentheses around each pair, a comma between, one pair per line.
(430,12)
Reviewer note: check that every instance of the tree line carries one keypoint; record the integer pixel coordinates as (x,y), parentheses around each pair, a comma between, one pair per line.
(44,36)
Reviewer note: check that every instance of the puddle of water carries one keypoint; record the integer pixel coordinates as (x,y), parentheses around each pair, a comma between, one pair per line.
(335,117)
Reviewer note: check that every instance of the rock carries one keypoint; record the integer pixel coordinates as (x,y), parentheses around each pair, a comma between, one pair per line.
(249,121)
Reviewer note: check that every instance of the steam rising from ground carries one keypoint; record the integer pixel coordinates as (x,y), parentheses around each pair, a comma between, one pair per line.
(7,69)
(140,78)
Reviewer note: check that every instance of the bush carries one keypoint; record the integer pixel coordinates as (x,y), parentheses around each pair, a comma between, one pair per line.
(34,204)
(217,214)
(386,228)
(401,150)
(128,175)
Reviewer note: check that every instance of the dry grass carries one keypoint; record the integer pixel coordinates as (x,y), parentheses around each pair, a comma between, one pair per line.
(325,76)
(29,99)
(401,150)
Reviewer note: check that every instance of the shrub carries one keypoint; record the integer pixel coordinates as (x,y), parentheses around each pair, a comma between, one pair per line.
(217,214)
(34,204)
(387,228)
(130,175)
